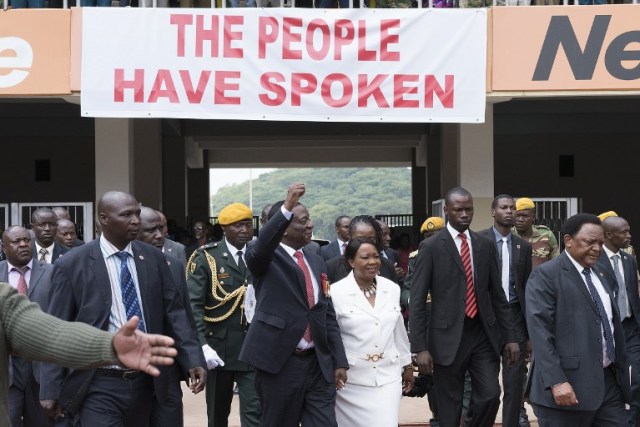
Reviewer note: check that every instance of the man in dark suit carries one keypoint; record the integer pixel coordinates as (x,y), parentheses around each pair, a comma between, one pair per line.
(63,214)
(33,279)
(103,284)
(170,247)
(366,227)
(470,319)
(294,340)
(389,253)
(622,270)
(579,374)
(514,260)
(336,248)
(218,278)
(45,248)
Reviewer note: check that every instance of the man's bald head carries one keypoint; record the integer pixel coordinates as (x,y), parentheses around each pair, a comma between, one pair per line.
(16,244)
(119,216)
(61,213)
(617,233)
(151,227)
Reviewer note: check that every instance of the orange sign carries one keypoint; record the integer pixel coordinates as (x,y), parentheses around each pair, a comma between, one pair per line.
(35,52)
(557,48)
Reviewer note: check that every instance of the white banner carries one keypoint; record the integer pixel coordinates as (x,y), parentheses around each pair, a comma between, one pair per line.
(373,65)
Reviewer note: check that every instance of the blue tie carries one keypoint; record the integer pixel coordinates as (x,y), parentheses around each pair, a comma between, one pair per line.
(606,327)
(128,288)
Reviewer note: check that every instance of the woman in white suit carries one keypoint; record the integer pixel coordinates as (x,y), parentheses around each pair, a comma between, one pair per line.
(368,311)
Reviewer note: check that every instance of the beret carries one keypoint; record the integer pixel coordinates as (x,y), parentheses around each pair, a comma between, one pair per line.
(524,203)
(431,224)
(605,215)
(233,213)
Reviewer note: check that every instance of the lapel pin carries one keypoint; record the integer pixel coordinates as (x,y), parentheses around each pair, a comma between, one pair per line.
(518,246)
(221,270)
(225,254)
(140,256)
(601,274)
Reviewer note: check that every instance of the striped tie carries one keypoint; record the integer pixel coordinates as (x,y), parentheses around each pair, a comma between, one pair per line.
(472,305)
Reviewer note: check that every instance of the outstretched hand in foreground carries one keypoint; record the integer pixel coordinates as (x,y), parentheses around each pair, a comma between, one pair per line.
(140,351)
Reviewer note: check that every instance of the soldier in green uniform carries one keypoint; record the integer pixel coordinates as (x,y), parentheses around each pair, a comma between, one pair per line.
(429,227)
(218,277)
(543,241)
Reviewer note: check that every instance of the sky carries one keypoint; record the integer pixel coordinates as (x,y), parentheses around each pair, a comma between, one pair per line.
(220,177)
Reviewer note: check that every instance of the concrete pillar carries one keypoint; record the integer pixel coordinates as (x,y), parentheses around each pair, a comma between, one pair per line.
(174,177)
(129,158)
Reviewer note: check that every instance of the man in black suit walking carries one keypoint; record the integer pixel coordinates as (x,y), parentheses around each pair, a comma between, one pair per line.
(45,248)
(579,374)
(336,248)
(104,283)
(294,341)
(622,269)
(514,260)
(470,318)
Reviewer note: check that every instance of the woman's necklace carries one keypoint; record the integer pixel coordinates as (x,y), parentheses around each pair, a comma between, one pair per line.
(369,290)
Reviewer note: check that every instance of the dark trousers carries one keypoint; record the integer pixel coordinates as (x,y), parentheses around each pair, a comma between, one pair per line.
(476,355)
(610,414)
(24,402)
(298,393)
(632,338)
(513,376)
(169,413)
(117,402)
(219,393)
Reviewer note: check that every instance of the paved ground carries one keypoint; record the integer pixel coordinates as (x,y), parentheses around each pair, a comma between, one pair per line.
(413,411)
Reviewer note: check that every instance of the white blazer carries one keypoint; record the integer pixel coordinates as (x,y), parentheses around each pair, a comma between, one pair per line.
(369,331)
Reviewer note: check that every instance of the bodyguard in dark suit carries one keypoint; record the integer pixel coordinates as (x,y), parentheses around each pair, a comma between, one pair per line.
(33,279)
(514,261)
(622,270)
(336,248)
(579,374)
(470,319)
(218,278)
(104,283)
(45,248)
(294,341)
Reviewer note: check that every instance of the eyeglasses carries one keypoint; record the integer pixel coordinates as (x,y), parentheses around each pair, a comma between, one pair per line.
(198,228)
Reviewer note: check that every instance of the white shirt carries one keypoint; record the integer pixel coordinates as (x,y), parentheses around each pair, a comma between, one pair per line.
(49,254)
(455,234)
(118,316)
(606,302)
(234,251)
(341,246)
(14,275)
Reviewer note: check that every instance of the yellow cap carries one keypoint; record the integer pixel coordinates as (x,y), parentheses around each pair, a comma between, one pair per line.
(524,203)
(605,215)
(233,213)
(432,224)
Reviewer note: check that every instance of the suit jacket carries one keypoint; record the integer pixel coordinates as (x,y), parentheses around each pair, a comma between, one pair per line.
(439,271)
(282,312)
(330,251)
(371,330)
(58,250)
(38,292)
(175,249)
(629,267)
(520,261)
(392,255)
(338,269)
(227,333)
(81,291)
(566,336)
(313,247)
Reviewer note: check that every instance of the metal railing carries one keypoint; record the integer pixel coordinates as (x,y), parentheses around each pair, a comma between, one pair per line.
(81,214)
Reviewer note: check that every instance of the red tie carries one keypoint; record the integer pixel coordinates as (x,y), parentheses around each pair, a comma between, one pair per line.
(22,282)
(309,285)
(472,306)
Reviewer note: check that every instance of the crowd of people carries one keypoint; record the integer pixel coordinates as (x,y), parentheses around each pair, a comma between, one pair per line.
(327,335)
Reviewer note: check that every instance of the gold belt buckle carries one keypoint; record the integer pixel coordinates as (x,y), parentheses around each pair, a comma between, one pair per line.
(375,357)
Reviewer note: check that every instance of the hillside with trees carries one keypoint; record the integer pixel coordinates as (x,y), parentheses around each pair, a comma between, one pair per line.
(331,192)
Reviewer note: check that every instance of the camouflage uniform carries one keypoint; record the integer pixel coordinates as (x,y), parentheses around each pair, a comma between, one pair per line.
(543,243)
(395,4)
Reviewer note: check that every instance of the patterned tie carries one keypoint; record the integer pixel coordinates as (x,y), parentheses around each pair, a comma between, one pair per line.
(128,288)
(343,248)
(22,282)
(472,305)
(241,265)
(43,255)
(622,300)
(309,285)
(505,266)
(604,320)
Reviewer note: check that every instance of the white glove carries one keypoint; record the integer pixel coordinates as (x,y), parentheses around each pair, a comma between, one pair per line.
(212,358)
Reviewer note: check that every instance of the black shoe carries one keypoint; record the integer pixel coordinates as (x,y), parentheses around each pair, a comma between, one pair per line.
(523,419)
